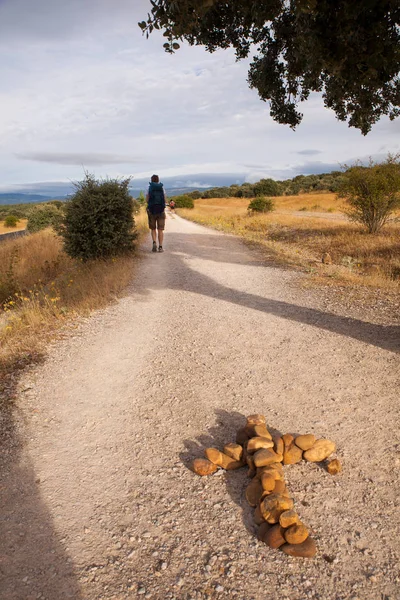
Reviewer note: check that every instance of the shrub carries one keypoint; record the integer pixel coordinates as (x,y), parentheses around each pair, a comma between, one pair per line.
(11,221)
(261,205)
(183,202)
(372,193)
(267,186)
(141,198)
(42,216)
(99,220)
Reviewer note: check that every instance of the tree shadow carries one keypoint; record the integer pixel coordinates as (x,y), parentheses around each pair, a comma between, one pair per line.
(32,558)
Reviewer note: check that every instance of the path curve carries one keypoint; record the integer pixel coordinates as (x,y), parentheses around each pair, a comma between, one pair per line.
(98,502)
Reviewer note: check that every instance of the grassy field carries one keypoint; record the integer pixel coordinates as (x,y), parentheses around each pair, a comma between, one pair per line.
(41,288)
(300,240)
(20,225)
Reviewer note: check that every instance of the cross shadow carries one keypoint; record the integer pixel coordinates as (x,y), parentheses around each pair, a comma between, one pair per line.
(33,561)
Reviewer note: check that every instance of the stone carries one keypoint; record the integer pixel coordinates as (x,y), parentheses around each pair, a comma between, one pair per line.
(292,454)
(288,518)
(296,534)
(272,470)
(288,439)
(306,549)
(222,460)
(262,431)
(279,446)
(305,442)
(263,530)
(234,451)
(258,518)
(320,450)
(241,436)
(266,456)
(274,537)
(256,419)
(326,258)
(250,464)
(273,506)
(203,467)
(256,443)
(267,481)
(334,466)
(254,492)
(280,487)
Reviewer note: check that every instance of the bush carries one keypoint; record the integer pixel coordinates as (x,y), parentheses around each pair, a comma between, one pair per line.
(11,221)
(183,202)
(99,220)
(267,186)
(372,193)
(42,216)
(261,205)
(141,199)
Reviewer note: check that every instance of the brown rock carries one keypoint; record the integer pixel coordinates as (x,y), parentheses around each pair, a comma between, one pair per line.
(251,465)
(334,466)
(288,518)
(326,258)
(292,455)
(274,536)
(305,442)
(288,439)
(234,451)
(256,443)
(280,487)
(263,530)
(307,549)
(254,492)
(320,450)
(258,518)
(273,506)
(241,436)
(203,467)
(262,431)
(296,534)
(222,460)
(279,446)
(276,470)
(256,420)
(265,457)
(267,481)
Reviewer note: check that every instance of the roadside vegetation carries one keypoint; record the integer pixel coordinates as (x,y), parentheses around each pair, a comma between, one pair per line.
(44,283)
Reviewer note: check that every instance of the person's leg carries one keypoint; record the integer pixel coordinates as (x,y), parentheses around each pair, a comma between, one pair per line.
(153,235)
(160,227)
(160,237)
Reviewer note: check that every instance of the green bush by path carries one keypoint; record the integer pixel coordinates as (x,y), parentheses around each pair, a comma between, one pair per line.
(261,205)
(183,201)
(11,221)
(99,220)
(42,216)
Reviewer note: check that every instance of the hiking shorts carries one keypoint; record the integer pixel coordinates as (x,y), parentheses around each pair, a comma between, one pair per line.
(156,221)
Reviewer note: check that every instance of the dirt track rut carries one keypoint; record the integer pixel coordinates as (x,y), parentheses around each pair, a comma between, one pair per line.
(98,502)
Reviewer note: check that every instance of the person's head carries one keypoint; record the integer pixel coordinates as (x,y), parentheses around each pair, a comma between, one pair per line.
(155,179)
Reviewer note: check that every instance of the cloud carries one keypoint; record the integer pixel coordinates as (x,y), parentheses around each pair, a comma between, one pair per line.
(309,152)
(70,158)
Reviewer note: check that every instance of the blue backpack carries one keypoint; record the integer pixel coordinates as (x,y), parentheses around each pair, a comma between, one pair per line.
(156,204)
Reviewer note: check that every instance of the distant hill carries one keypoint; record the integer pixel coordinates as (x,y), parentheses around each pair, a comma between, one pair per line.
(19,198)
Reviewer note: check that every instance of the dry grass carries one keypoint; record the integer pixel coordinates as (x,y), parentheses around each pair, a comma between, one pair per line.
(358,258)
(41,288)
(20,225)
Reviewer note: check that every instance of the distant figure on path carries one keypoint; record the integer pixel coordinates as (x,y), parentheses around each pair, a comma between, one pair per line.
(156,212)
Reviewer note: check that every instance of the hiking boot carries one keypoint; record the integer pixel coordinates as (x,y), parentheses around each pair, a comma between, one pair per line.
(160,249)
(154,249)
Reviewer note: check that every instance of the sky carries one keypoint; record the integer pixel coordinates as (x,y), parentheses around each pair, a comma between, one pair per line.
(81,88)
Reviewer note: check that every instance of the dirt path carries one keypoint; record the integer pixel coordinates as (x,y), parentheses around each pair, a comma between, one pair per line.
(98,502)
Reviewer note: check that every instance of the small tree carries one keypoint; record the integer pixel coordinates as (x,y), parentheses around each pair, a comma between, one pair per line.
(267,186)
(261,205)
(99,220)
(42,216)
(372,193)
(141,198)
(183,201)
(11,221)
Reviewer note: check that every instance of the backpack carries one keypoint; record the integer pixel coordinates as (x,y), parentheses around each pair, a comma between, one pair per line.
(156,204)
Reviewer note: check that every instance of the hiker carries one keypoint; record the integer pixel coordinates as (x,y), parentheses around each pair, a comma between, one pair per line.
(172,204)
(156,212)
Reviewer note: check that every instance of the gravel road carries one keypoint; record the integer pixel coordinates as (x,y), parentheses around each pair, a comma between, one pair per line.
(97,498)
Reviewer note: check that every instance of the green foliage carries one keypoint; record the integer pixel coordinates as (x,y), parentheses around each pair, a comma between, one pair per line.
(141,198)
(42,216)
(11,221)
(373,192)
(196,195)
(261,205)
(267,187)
(183,201)
(99,220)
(347,49)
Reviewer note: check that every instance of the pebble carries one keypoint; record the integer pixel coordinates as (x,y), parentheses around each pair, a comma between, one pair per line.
(141,591)
(219,589)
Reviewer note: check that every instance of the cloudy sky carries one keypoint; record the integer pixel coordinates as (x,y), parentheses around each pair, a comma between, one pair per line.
(81,88)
